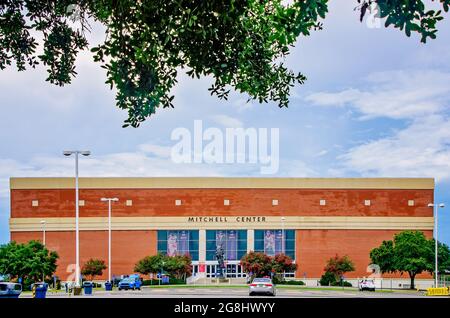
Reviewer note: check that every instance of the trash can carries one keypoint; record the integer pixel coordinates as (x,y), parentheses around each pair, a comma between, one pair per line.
(87,288)
(77,291)
(108,286)
(40,290)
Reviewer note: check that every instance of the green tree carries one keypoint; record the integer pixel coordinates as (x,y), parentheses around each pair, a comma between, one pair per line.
(178,266)
(443,256)
(240,44)
(410,252)
(282,263)
(260,264)
(150,264)
(256,263)
(29,261)
(338,266)
(92,268)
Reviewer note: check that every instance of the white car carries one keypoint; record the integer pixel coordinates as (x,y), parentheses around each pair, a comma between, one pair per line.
(367,285)
(262,286)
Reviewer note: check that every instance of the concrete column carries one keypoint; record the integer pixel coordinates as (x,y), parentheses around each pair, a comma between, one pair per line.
(202,245)
(250,240)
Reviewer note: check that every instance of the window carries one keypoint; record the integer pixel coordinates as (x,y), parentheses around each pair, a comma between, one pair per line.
(178,242)
(129,203)
(410,202)
(367,202)
(177,202)
(34,203)
(323,202)
(233,242)
(270,242)
(226,202)
(274,202)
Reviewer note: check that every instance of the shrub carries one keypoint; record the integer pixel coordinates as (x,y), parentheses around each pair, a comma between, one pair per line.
(92,268)
(172,281)
(291,282)
(176,281)
(339,265)
(344,283)
(149,282)
(327,279)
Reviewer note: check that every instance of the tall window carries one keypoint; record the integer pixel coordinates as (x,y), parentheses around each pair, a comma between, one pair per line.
(178,242)
(270,242)
(233,242)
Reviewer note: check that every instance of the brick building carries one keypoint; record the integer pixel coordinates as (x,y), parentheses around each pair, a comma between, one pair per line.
(309,219)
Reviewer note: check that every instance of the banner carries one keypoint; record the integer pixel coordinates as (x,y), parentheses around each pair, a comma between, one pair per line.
(177,243)
(172,243)
(273,242)
(232,245)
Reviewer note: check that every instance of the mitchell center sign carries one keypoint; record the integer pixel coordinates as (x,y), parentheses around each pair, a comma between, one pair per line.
(225,219)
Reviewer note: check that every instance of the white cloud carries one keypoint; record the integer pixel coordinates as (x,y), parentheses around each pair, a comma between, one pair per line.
(393,94)
(227,121)
(157,150)
(242,104)
(420,150)
(150,160)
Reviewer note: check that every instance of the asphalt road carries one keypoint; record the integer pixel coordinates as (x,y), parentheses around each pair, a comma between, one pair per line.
(228,292)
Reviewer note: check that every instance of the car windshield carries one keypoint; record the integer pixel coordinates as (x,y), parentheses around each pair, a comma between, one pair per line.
(262,280)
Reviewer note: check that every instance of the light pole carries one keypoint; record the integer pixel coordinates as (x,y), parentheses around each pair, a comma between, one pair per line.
(282,234)
(436,271)
(43,232)
(109,200)
(68,153)
(43,242)
(282,237)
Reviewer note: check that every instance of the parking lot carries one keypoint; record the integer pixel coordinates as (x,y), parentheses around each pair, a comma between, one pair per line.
(235,292)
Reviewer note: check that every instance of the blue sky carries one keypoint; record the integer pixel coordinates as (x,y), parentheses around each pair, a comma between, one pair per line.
(376,104)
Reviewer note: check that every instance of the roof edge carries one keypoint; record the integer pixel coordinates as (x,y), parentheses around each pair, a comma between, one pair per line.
(221,183)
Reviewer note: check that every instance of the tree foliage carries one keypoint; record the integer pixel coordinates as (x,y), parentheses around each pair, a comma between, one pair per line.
(178,266)
(92,268)
(410,252)
(339,265)
(29,261)
(260,264)
(242,45)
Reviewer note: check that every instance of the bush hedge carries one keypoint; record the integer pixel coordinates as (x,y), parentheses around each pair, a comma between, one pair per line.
(344,283)
(172,281)
(291,282)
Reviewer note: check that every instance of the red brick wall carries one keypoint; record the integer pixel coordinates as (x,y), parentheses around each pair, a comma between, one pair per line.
(161,202)
(315,247)
(126,248)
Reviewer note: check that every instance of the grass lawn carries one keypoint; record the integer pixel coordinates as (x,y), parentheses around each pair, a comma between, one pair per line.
(278,286)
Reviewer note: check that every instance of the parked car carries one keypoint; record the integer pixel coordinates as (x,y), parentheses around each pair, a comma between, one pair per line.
(131,282)
(10,290)
(367,284)
(262,286)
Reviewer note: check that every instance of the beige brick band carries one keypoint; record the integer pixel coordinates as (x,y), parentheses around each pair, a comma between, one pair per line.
(225,222)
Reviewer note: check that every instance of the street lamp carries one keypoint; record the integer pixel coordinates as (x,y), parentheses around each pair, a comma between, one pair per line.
(109,200)
(43,232)
(282,237)
(68,153)
(43,242)
(436,271)
(282,234)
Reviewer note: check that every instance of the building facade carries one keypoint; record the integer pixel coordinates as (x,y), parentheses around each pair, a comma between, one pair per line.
(311,220)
